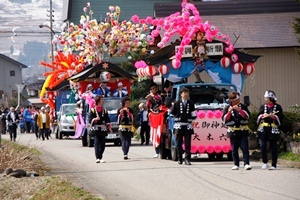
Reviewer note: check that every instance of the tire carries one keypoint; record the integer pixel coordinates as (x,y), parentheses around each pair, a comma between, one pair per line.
(60,135)
(90,141)
(229,156)
(84,139)
(219,156)
(117,143)
(56,133)
(174,154)
(211,156)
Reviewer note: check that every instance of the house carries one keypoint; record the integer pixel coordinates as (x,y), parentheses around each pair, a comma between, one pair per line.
(10,78)
(32,92)
(257,27)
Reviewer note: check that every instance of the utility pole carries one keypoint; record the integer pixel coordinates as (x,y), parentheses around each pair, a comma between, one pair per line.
(51,23)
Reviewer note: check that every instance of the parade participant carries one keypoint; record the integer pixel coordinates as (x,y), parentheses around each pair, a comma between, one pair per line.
(103,90)
(27,115)
(183,112)
(43,122)
(235,117)
(120,91)
(99,119)
(144,122)
(154,100)
(12,121)
(125,121)
(269,119)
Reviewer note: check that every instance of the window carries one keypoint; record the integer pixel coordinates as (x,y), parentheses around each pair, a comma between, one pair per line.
(12,73)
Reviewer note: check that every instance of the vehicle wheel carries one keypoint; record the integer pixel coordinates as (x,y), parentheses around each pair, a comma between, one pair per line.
(174,153)
(60,135)
(84,139)
(90,141)
(219,156)
(117,143)
(56,134)
(211,156)
(229,156)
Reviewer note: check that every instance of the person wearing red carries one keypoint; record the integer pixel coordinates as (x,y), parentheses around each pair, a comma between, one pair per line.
(235,117)
(269,119)
(154,100)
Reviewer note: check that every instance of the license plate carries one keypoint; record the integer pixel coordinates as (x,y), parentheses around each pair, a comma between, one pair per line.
(114,124)
(111,136)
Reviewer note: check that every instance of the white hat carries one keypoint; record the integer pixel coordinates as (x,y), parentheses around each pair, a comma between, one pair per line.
(120,84)
(43,108)
(270,94)
(89,85)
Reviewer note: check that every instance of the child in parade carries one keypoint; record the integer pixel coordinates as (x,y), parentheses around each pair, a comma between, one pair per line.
(125,121)
(269,119)
(235,117)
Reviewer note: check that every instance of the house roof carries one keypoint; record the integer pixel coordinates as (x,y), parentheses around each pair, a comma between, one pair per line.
(12,60)
(256,23)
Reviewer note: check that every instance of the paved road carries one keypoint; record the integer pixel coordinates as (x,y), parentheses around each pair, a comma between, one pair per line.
(143,177)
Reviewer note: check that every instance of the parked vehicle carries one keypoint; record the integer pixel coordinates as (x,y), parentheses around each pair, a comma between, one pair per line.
(111,104)
(209,129)
(66,118)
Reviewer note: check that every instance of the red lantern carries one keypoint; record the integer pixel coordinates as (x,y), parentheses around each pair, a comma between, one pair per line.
(225,62)
(163,69)
(150,70)
(249,68)
(237,68)
(139,71)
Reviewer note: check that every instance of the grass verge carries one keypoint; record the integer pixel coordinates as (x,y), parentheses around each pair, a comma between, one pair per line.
(41,187)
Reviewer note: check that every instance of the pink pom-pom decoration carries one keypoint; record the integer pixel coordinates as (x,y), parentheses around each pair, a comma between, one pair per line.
(218,149)
(193,149)
(200,114)
(149,20)
(210,114)
(201,149)
(210,149)
(225,62)
(234,57)
(218,114)
(249,68)
(226,148)
(135,18)
(237,68)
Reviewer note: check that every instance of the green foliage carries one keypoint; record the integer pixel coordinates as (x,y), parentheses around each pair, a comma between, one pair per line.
(140,89)
(289,156)
(134,105)
(296,27)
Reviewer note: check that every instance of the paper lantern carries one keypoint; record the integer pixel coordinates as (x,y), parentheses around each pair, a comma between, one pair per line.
(237,68)
(150,70)
(249,68)
(225,62)
(140,72)
(105,76)
(163,69)
(173,63)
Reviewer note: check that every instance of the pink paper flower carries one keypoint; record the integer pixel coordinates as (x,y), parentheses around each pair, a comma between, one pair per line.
(200,114)
(210,149)
(210,114)
(218,114)
(193,149)
(149,20)
(201,149)
(135,18)
(218,149)
(226,148)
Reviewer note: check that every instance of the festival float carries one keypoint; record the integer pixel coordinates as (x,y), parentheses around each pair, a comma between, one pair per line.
(198,47)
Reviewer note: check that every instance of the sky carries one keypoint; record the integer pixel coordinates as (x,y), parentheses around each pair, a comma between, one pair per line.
(19,22)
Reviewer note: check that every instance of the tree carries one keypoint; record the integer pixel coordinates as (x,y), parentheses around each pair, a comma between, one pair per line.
(296,26)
